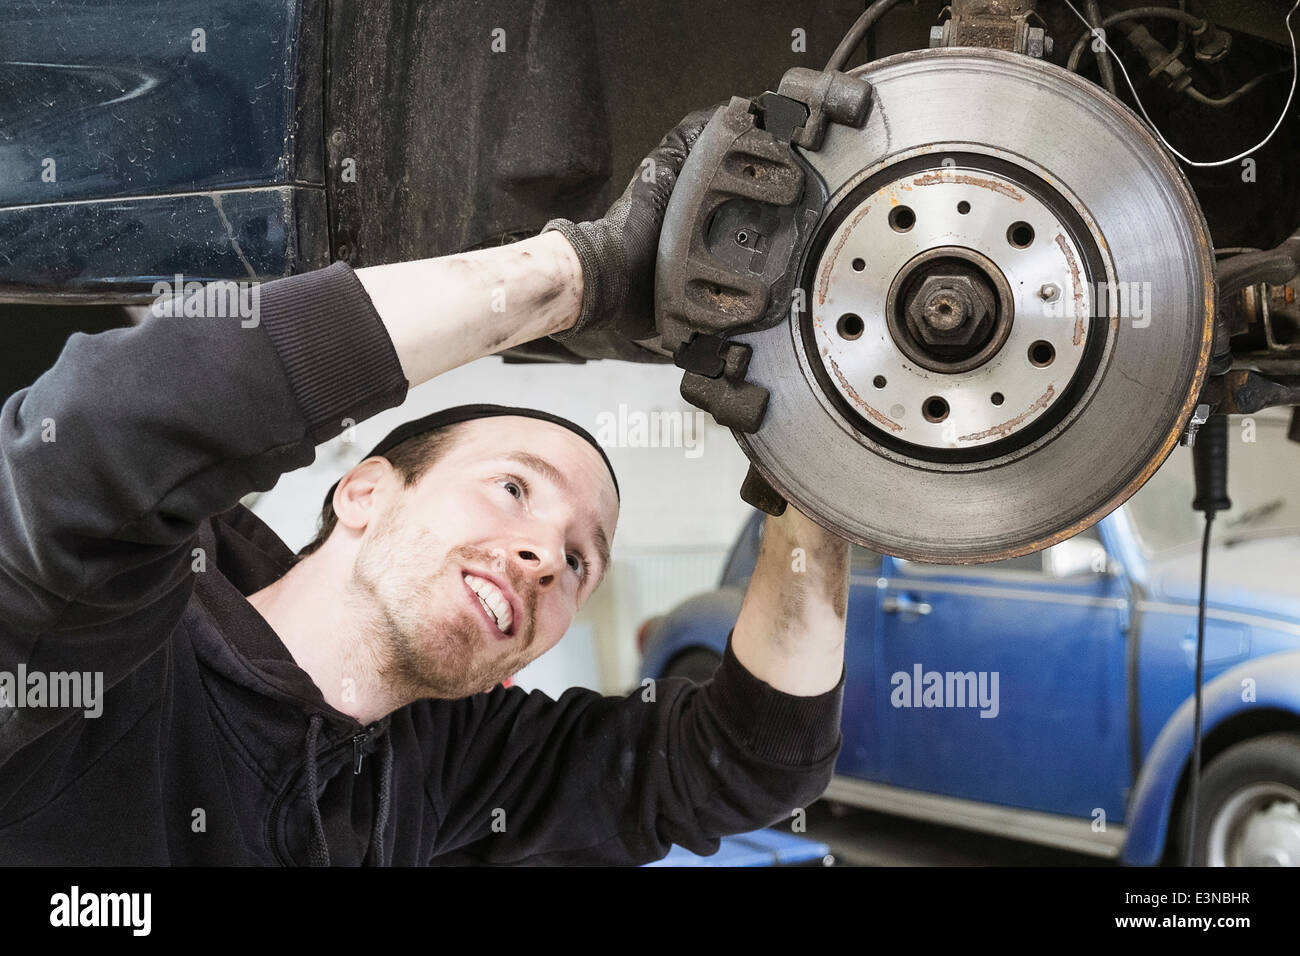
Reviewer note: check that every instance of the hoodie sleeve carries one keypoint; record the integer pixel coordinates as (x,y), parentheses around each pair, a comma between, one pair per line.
(110,461)
(524,779)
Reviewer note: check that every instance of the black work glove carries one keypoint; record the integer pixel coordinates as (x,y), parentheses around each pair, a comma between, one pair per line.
(617,253)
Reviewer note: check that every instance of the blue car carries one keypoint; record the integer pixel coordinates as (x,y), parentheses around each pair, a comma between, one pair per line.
(1049,697)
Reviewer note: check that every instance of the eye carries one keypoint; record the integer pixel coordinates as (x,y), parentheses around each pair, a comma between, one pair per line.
(578,564)
(515,487)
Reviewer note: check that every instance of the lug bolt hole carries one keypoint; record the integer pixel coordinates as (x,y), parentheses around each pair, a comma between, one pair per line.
(859,265)
(901,218)
(849,326)
(750,171)
(963,207)
(878,381)
(997,398)
(1020,235)
(935,409)
(742,237)
(1041,354)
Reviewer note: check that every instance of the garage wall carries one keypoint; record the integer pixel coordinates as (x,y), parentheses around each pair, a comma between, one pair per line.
(681,506)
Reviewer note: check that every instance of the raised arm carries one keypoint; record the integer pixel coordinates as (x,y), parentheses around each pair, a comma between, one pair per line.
(110,461)
(443,313)
(790,632)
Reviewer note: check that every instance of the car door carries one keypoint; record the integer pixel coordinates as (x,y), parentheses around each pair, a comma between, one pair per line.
(1005,682)
(860,754)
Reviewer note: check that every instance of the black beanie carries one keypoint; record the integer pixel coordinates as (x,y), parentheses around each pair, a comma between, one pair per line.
(464,413)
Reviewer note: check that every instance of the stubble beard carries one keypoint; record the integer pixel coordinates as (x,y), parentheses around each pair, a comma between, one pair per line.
(421,648)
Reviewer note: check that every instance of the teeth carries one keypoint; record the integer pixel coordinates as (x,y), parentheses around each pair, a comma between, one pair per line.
(490,597)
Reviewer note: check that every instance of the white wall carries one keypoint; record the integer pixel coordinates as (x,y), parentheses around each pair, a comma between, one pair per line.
(680,510)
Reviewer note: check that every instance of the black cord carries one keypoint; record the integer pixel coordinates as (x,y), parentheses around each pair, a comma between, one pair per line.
(1092,10)
(859,30)
(1194,786)
(1136,13)
(1210,468)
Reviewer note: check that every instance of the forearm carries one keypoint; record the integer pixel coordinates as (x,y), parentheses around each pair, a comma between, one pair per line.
(446,312)
(790,632)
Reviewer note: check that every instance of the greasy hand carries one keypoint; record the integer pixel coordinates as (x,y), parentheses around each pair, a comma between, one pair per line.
(618,252)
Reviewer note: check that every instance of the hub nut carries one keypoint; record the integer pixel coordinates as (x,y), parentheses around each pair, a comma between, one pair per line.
(950,309)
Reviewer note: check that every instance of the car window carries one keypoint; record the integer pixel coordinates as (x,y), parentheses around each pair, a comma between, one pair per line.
(1036,564)
(1262,465)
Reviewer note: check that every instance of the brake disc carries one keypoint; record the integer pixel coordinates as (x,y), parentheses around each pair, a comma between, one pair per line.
(1009,300)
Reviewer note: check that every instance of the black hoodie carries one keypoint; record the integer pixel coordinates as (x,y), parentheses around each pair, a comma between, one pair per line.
(124,552)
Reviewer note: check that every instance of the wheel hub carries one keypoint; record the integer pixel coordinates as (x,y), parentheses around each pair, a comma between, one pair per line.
(939,272)
(949,310)
(1259,826)
(1009,304)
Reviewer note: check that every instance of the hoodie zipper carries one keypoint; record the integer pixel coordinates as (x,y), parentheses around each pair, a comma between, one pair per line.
(295,776)
(358,741)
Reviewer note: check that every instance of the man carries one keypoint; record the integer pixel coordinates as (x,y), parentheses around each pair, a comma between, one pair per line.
(344,706)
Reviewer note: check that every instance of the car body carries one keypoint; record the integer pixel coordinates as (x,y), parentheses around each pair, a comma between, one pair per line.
(770,847)
(1083,657)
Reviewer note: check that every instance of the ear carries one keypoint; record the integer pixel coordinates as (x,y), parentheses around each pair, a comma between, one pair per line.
(360,494)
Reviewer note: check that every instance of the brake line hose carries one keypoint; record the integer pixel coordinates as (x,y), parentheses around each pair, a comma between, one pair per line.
(858,31)
(1210,467)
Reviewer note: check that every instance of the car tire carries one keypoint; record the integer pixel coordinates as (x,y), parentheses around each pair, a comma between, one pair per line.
(698,664)
(1249,813)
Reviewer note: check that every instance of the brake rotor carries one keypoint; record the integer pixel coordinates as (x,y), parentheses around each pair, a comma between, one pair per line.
(1008,315)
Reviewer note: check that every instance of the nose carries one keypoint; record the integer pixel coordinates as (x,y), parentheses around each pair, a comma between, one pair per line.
(541,554)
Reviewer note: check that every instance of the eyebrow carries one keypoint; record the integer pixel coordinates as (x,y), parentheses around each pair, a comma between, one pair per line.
(557,478)
(542,467)
(602,548)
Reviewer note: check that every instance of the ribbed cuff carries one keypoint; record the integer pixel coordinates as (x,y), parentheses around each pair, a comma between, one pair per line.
(774,725)
(604,276)
(337,355)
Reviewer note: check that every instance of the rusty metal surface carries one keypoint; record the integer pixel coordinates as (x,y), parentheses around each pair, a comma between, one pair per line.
(873,271)
(993,24)
(1124,420)
(1243,391)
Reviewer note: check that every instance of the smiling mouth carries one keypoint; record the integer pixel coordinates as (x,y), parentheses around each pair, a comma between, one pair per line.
(493,604)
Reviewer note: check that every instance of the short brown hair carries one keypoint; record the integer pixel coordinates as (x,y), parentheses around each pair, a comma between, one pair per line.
(411,459)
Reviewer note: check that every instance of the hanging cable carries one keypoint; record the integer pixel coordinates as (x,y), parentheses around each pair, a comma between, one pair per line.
(1210,467)
(1137,13)
(1218,102)
(858,31)
(1093,9)
(1169,13)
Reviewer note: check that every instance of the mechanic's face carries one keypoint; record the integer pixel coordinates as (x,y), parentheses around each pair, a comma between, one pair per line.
(518,511)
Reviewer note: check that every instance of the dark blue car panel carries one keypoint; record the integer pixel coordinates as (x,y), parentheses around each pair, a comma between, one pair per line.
(152,115)
(144,138)
(252,233)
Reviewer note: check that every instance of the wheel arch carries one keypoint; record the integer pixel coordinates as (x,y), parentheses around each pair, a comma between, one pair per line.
(701,622)
(1227,720)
